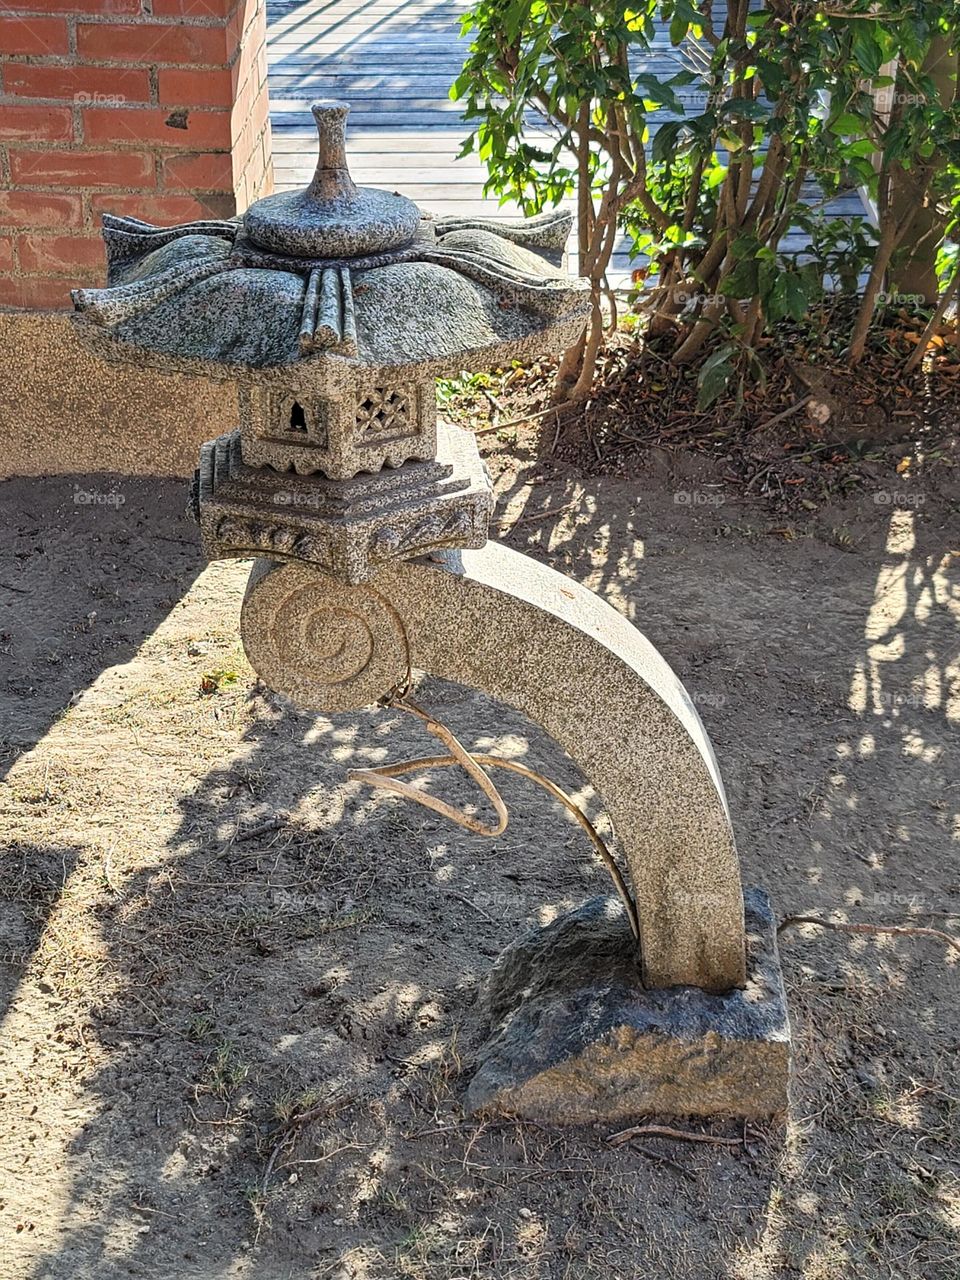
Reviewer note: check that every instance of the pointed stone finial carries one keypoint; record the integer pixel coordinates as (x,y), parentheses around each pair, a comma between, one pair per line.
(332,179)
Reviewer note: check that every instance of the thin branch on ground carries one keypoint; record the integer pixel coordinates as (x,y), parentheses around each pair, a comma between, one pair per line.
(665,1131)
(902,930)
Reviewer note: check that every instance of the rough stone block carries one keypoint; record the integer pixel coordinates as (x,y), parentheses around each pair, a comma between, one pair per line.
(571,1036)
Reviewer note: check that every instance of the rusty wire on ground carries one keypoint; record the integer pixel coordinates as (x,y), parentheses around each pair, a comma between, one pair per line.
(385,777)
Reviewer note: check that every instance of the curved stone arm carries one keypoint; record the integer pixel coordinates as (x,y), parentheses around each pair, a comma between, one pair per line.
(527,635)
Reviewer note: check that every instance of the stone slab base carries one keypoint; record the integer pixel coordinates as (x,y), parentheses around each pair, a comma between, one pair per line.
(570,1036)
(64,411)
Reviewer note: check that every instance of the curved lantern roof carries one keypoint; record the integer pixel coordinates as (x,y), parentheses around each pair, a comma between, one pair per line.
(333,272)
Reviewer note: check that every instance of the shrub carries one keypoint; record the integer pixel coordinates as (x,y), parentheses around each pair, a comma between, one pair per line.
(772,101)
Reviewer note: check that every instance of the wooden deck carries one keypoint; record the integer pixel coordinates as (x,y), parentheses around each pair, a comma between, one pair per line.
(394,61)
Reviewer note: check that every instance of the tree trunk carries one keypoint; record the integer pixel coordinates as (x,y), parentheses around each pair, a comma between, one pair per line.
(913,271)
(881,260)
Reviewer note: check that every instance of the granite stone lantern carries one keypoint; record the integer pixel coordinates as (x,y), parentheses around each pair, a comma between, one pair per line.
(334,309)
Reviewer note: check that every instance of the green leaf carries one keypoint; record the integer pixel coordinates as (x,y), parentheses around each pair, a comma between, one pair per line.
(715,375)
(866,49)
(665,141)
(742,281)
(678,29)
(745,109)
(796,296)
(848,124)
(768,273)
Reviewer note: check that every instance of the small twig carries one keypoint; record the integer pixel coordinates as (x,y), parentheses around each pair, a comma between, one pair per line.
(933,324)
(494,402)
(664,1131)
(590,436)
(766,471)
(904,930)
(287,1132)
(145,1208)
(460,897)
(538,515)
(262,828)
(129,1031)
(288,1137)
(318,1112)
(347,1146)
(657,1158)
(771,422)
(227,1122)
(556,435)
(527,417)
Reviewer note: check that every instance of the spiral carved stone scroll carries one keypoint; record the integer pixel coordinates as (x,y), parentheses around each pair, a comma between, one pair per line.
(328,646)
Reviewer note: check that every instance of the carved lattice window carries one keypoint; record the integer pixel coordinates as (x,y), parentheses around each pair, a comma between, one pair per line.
(386,412)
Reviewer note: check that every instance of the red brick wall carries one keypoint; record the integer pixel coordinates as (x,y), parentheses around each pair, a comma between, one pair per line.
(156,109)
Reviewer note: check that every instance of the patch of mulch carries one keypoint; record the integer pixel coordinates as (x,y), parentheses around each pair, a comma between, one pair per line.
(802,428)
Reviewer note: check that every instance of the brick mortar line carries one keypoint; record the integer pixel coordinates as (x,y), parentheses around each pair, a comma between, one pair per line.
(126,20)
(111,147)
(66,62)
(69,104)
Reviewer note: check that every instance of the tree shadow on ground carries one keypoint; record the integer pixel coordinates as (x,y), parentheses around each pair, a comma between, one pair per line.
(276,999)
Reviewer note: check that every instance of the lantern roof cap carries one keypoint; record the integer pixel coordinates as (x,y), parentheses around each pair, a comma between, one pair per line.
(333,272)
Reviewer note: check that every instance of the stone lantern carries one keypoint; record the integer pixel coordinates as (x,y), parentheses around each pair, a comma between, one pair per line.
(334,309)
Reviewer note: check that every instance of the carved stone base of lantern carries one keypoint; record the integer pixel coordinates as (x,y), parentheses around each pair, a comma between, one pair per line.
(568,1035)
(349,529)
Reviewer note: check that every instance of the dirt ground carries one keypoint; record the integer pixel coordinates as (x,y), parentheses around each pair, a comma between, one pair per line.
(232,984)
